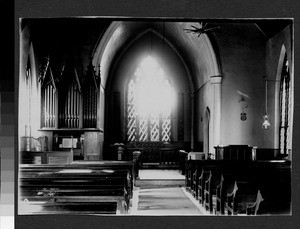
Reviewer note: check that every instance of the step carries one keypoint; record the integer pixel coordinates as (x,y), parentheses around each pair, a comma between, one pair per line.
(158,166)
(159,183)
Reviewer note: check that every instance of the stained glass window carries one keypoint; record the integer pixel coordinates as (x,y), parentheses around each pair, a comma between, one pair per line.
(150,100)
(285,108)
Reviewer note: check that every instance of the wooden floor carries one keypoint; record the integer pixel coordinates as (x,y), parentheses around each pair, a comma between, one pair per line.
(162,192)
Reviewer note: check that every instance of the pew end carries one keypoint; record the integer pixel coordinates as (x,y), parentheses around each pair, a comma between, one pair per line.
(242,194)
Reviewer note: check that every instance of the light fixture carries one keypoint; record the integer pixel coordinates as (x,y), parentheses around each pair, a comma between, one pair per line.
(200,30)
(266,123)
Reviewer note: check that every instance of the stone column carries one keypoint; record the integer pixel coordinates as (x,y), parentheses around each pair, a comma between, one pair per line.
(215,107)
(192,96)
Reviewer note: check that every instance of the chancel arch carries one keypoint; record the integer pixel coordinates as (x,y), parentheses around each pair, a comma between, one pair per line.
(197,59)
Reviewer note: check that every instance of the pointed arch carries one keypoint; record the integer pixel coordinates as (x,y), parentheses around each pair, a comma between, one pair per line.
(207,131)
(283,127)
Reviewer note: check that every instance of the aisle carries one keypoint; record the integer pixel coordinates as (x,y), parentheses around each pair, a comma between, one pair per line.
(162,192)
(165,201)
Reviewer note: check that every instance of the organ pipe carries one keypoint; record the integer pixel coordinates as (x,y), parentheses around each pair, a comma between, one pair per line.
(69,108)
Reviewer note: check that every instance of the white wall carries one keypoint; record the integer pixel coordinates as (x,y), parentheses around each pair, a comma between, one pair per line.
(29,91)
(276,48)
(242,58)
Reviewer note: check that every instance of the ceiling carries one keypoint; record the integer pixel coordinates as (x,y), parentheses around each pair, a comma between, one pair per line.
(63,33)
(270,28)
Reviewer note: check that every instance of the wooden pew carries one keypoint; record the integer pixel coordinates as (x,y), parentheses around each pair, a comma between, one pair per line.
(191,176)
(276,189)
(243,194)
(182,158)
(234,152)
(225,183)
(201,182)
(225,186)
(272,177)
(252,208)
(75,188)
(71,207)
(77,192)
(210,188)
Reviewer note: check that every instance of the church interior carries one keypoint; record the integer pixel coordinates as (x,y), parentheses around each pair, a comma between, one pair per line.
(155,116)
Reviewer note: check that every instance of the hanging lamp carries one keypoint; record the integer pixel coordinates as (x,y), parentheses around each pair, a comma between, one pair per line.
(266,123)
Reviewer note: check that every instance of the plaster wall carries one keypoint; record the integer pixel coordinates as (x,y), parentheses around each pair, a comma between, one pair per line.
(29,91)
(276,48)
(203,101)
(242,58)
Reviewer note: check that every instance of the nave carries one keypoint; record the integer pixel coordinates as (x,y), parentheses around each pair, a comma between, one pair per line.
(162,192)
(217,105)
(200,187)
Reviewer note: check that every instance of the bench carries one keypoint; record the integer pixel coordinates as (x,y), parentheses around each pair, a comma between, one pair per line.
(272,178)
(183,155)
(234,152)
(210,188)
(252,208)
(276,190)
(191,166)
(221,182)
(244,193)
(90,188)
(200,185)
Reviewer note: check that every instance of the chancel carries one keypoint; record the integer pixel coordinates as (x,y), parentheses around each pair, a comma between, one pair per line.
(155,116)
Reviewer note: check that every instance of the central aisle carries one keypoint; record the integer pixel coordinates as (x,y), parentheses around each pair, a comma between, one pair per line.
(165,201)
(162,192)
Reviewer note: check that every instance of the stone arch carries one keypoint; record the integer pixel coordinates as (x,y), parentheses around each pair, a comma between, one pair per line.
(205,52)
(196,54)
(282,54)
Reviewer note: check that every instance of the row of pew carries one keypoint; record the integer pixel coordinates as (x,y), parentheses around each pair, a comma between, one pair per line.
(102,187)
(225,187)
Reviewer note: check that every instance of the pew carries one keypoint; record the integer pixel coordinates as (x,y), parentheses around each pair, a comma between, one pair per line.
(201,182)
(276,191)
(210,188)
(252,208)
(223,184)
(190,176)
(234,152)
(222,189)
(272,178)
(182,157)
(92,188)
(243,194)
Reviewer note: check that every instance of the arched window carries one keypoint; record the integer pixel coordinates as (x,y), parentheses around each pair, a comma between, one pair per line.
(285,108)
(28,89)
(150,100)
